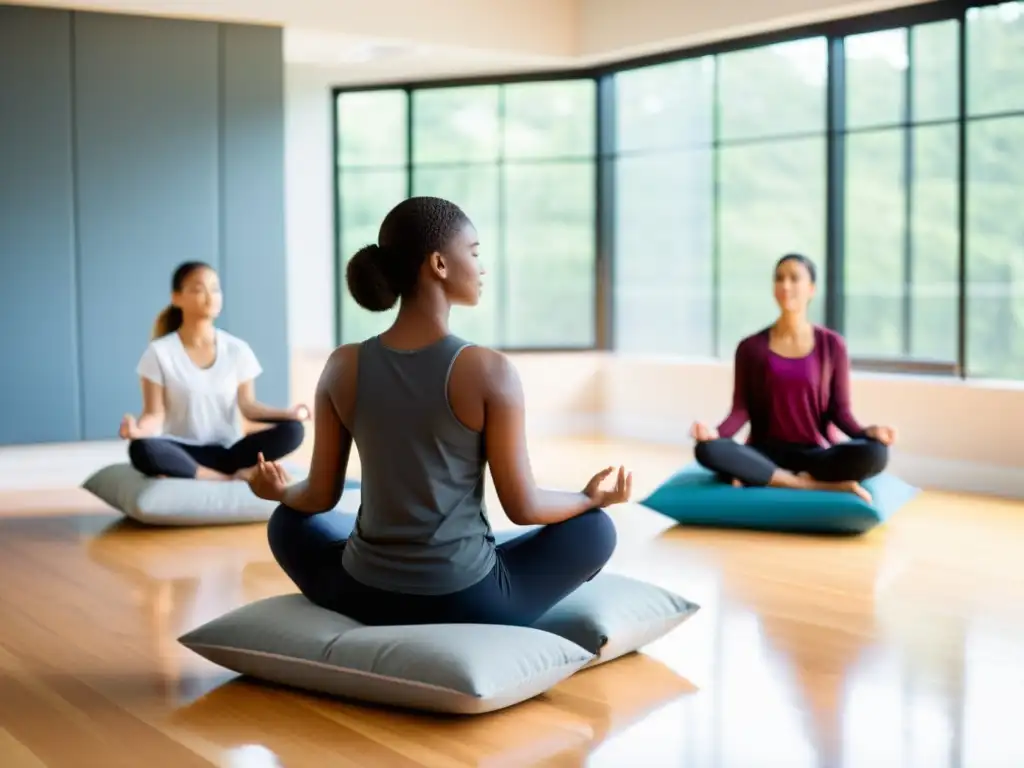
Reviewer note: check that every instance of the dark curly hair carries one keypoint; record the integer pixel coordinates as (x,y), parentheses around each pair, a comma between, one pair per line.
(378,275)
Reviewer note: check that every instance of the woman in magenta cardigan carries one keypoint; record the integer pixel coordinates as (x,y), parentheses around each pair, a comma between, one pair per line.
(792,383)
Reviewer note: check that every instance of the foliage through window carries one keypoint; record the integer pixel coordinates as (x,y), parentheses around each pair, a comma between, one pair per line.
(519,159)
(846,148)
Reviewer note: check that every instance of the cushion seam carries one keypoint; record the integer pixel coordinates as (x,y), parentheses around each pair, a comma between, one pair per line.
(376,675)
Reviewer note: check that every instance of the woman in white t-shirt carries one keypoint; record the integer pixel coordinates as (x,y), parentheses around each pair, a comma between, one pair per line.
(197,381)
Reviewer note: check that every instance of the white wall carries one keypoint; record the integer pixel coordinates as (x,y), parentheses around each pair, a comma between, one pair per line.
(308,216)
(612,28)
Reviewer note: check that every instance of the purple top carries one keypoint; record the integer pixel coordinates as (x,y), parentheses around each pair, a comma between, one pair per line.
(796,400)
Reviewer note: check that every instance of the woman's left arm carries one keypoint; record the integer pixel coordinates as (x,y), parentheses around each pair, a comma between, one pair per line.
(842,412)
(247,368)
(254,410)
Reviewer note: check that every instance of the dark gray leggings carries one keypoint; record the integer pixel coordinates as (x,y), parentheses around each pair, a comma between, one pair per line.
(166,456)
(754,465)
(534,571)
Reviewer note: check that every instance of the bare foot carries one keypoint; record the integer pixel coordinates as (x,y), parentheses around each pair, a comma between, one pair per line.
(736,483)
(856,488)
(244,474)
(847,486)
(205,473)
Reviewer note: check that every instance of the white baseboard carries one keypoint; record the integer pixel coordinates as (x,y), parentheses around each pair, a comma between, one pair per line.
(959,476)
(61,466)
(923,471)
(564,424)
(659,431)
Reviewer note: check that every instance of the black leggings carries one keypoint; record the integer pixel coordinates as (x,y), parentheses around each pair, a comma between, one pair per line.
(166,456)
(534,571)
(855,460)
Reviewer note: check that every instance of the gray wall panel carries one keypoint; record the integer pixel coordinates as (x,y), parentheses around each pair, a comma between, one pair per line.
(146,139)
(128,145)
(253,208)
(39,387)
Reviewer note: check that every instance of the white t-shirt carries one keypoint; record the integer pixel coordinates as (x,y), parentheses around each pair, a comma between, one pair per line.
(201,404)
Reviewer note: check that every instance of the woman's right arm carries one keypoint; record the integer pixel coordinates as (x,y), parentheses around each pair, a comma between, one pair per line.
(151,420)
(505,439)
(738,414)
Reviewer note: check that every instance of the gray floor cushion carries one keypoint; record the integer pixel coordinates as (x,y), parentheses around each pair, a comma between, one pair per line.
(461,669)
(464,668)
(181,502)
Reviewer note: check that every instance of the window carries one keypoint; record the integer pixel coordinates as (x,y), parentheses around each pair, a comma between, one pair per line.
(771,187)
(456,151)
(995,189)
(520,160)
(709,197)
(371,179)
(901,251)
(548,190)
(664,209)
(856,148)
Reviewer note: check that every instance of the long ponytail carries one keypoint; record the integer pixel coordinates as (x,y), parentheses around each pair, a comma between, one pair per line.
(168,321)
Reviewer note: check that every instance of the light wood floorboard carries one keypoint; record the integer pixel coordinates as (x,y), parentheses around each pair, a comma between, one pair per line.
(904,647)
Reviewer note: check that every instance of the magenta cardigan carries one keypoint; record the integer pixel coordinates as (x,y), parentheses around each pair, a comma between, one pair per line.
(750,400)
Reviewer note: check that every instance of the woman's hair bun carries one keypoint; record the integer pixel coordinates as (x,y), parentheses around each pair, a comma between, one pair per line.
(367,281)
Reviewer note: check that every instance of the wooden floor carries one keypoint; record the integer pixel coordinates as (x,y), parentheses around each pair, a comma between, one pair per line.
(901,648)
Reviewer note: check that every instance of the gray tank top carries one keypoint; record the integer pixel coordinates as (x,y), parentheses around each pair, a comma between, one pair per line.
(422,527)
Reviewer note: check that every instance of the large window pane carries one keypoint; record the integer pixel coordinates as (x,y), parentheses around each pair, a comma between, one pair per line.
(669,106)
(995,59)
(772,201)
(773,91)
(365,197)
(875,235)
(876,67)
(664,218)
(995,257)
(934,244)
(549,239)
(550,120)
(475,190)
(936,83)
(372,128)
(664,225)
(452,125)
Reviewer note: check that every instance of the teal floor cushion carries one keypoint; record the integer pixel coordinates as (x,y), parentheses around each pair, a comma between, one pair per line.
(695,496)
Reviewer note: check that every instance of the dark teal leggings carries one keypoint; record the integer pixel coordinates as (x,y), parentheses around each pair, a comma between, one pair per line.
(534,571)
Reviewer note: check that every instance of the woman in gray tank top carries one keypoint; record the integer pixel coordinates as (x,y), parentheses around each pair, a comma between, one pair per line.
(428,413)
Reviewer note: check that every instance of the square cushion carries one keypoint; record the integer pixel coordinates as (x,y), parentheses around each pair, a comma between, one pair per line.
(452,668)
(462,668)
(695,496)
(178,501)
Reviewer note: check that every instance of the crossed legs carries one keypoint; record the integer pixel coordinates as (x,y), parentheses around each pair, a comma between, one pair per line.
(164,456)
(840,467)
(534,572)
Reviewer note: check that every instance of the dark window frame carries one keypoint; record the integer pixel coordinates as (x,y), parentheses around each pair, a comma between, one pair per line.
(834,32)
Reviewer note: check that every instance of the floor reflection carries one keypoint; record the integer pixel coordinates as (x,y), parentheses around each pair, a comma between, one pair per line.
(904,647)
(580,721)
(181,579)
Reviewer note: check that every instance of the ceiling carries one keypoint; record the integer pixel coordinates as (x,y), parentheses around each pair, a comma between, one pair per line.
(413,39)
